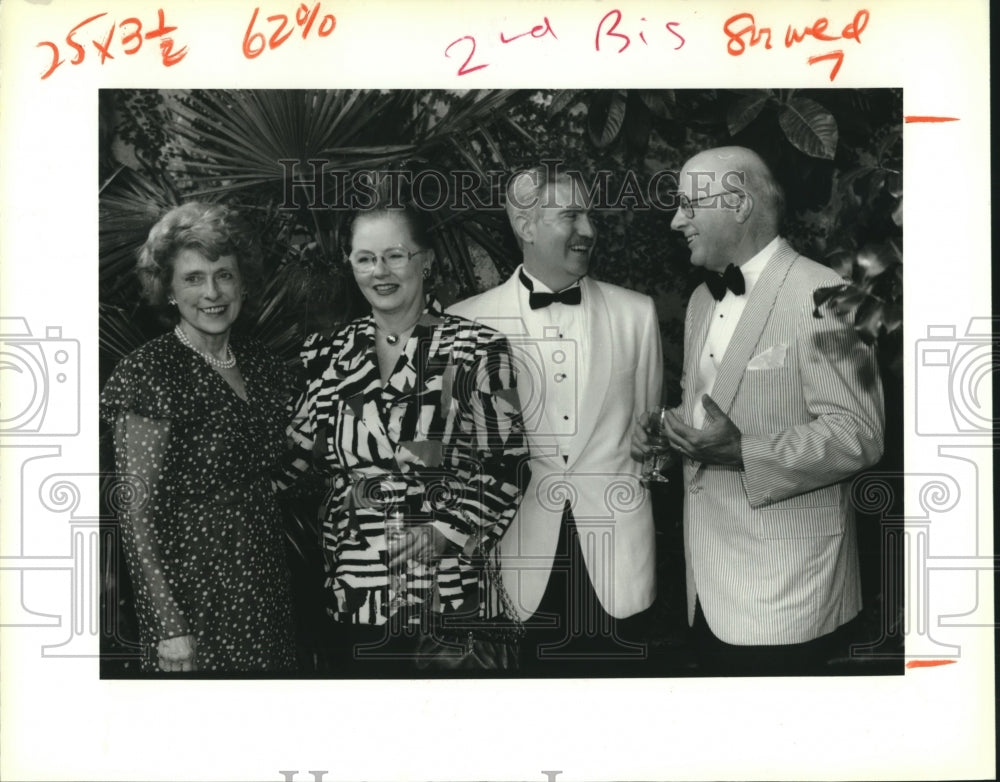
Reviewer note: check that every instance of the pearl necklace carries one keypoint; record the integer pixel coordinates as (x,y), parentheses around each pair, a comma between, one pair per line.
(228,363)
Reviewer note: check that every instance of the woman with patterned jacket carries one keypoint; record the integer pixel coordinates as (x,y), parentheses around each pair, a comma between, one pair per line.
(412,417)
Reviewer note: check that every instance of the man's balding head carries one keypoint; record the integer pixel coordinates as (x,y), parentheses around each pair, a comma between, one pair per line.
(731,206)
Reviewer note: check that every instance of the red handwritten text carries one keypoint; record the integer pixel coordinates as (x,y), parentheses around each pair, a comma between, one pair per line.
(465,68)
(614,16)
(305,19)
(743,33)
(132,38)
(538,31)
(609,30)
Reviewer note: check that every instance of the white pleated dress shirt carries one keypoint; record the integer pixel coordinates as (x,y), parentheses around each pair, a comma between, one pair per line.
(562,335)
(725,317)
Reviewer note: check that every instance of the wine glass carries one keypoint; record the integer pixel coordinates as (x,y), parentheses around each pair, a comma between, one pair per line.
(658,458)
(395,539)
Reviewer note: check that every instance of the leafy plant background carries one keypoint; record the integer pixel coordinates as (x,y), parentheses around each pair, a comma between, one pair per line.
(838,154)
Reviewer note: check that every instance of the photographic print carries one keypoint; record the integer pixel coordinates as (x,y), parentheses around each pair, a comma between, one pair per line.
(279,159)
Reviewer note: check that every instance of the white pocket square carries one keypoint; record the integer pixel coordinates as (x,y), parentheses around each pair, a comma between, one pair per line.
(772,358)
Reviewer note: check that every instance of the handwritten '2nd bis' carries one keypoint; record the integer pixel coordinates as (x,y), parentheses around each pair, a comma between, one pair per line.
(743,33)
(611,34)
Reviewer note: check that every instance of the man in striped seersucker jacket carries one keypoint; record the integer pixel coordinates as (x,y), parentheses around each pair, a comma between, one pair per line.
(779,410)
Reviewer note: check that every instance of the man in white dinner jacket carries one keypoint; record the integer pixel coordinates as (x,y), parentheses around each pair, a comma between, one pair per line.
(578,560)
(780,408)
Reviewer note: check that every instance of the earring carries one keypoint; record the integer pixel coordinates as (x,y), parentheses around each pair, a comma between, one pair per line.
(427,273)
(172,301)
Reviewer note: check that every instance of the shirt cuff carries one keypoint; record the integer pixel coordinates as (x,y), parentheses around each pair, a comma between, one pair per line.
(754,449)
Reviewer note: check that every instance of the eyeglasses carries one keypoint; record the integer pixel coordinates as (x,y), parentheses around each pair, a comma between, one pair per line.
(363,261)
(687,204)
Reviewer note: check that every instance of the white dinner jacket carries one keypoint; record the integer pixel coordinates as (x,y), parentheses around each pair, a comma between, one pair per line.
(771,549)
(600,479)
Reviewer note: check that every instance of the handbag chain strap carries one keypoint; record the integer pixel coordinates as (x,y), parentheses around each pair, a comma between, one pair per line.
(506,604)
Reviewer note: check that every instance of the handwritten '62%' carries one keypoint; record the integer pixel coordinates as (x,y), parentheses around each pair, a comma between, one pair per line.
(305,18)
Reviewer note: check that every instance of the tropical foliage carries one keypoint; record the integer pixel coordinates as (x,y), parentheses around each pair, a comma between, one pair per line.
(291,159)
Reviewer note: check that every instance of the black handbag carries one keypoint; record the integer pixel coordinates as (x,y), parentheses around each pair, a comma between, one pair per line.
(473,651)
(473,643)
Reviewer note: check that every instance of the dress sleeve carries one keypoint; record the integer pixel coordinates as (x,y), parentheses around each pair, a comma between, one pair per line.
(140,450)
(145,383)
(143,401)
(486,449)
(296,464)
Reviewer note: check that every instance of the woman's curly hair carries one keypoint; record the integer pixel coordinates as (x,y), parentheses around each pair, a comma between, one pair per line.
(214,230)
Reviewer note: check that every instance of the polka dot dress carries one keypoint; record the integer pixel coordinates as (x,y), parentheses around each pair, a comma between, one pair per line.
(202,534)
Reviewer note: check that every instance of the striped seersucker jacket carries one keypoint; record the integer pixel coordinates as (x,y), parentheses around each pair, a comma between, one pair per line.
(771,548)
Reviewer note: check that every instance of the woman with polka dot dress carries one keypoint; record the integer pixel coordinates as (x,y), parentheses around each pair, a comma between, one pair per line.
(199,419)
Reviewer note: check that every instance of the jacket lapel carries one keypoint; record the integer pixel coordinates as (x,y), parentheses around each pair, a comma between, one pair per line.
(360,385)
(419,361)
(512,301)
(509,314)
(701,308)
(751,326)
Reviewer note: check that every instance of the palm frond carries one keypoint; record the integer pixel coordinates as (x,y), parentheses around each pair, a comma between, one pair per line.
(130,204)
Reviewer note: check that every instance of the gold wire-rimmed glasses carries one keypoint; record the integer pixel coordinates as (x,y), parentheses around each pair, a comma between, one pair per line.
(395,258)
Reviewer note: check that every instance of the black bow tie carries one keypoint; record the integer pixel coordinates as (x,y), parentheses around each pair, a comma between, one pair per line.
(541,299)
(731,279)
